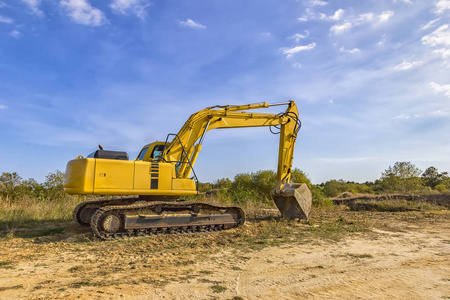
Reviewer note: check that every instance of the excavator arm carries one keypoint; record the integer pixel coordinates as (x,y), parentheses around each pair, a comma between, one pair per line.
(293,200)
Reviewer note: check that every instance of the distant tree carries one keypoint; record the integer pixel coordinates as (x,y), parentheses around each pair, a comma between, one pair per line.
(298,176)
(54,185)
(204,186)
(10,186)
(334,187)
(242,189)
(222,183)
(403,177)
(34,189)
(432,178)
(441,187)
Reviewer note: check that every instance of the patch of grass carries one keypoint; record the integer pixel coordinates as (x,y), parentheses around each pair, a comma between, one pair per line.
(235,268)
(30,210)
(335,230)
(204,280)
(75,269)
(102,273)
(206,272)
(15,287)
(364,255)
(154,282)
(81,283)
(393,206)
(43,232)
(6,265)
(315,267)
(186,262)
(218,288)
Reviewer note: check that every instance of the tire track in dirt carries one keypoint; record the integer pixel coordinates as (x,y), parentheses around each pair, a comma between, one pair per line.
(395,265)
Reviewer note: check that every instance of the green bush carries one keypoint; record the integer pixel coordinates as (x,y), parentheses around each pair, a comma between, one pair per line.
(13,188)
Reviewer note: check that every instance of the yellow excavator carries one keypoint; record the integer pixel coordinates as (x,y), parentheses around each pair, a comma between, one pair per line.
(161,174)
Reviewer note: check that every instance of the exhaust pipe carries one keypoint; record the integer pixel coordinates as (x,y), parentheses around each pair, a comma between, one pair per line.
(294,200)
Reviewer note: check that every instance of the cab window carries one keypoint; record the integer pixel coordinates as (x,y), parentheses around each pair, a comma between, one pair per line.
(142,154)
(157,151)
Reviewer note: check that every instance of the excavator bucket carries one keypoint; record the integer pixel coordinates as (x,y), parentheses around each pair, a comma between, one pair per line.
(293,200)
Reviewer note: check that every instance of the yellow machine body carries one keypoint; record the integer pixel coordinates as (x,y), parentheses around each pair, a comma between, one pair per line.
(124,177)
(164,168)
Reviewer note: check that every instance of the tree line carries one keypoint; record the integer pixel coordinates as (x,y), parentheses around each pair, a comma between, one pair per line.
(402,177)
(14,188)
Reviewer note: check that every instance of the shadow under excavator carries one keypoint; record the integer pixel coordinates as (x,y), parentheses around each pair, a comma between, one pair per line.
(56,230)
(63,230)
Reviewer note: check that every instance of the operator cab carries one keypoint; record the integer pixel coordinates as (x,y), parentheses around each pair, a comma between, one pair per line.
(151,152)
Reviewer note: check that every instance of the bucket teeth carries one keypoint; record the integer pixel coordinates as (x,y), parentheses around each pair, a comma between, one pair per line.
(293,200)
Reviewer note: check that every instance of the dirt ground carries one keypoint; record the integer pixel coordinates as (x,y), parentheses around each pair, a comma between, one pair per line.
(339,254)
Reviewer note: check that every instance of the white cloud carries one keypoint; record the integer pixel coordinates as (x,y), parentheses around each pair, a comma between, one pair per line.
(405,117)
(192,24)
(3,107)
(317,3)
(291,51)
(266,34)
(445,52)
(385,16)
(34,6)
(353,51)
(429,24)
(298,36)
(373,18)
(337,29)
(124,7)
(364,18)
(440,113)
(297,65)
(406,1)
(15,34)
(445,88)
(302,19)
(440,36)
(337,15)
(406,65)
(442,6)
(82,12)
(361,19)
(6,20)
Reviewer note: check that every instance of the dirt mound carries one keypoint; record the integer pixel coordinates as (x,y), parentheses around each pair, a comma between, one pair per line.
(347,198)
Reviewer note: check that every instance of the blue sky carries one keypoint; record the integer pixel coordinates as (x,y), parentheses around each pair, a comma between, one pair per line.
(371,80)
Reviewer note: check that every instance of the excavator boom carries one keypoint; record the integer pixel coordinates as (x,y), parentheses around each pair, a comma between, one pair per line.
(293,200)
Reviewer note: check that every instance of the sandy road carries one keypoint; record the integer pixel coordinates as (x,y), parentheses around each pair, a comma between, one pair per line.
(401,265)
(395,266)
(405,261)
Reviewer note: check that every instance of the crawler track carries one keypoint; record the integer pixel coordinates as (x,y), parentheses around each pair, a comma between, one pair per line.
(83,212)
(152,218)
